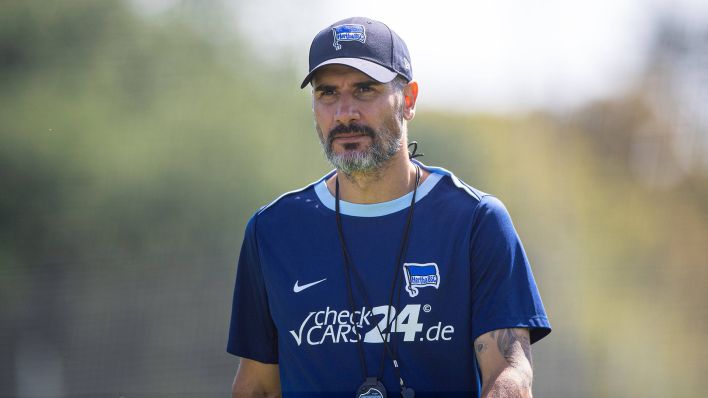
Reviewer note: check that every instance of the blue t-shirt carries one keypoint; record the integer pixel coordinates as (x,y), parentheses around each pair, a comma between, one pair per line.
(464,273)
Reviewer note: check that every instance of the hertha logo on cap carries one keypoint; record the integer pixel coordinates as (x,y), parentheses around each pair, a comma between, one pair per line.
(348,32)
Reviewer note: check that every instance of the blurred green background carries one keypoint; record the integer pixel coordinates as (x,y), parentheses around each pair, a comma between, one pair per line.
(135,146)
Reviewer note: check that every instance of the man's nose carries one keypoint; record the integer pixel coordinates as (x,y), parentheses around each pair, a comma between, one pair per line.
(347,110)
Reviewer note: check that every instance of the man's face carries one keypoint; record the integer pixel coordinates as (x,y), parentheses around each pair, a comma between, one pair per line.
(359,120)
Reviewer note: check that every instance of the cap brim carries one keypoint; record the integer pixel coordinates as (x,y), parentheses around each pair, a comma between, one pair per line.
(377,72)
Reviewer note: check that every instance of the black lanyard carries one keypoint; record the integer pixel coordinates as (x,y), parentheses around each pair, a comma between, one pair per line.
(347,275)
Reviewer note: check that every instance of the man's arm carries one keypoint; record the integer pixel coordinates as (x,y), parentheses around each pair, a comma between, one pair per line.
(256,379)
(504,357)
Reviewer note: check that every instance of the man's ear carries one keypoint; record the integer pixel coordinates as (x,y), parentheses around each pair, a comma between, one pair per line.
(410,96)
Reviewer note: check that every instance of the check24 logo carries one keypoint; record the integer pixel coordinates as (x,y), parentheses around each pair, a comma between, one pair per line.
(330,326)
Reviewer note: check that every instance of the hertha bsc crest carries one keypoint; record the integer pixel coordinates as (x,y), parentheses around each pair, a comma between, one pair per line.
(348,32)
(421,275)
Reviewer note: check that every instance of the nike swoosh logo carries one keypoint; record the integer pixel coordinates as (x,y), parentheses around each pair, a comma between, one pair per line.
(298,289)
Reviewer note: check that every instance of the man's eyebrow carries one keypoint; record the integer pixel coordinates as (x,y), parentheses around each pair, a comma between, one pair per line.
(365,83)
(368,83)
(324,87)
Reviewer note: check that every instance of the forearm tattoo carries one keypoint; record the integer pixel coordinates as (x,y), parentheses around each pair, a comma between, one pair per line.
(516,350)
(506,340)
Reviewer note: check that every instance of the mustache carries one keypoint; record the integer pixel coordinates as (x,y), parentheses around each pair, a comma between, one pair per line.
(349,129)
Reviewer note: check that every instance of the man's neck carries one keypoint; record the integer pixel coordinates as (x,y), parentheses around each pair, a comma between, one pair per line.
(392,181)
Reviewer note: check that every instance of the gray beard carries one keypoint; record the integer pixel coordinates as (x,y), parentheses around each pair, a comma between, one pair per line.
(385,144)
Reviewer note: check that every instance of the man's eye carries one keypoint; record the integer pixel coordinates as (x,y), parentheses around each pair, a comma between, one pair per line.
(327,92)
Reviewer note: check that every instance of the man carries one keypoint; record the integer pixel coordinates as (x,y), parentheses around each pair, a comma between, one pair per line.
(386,276)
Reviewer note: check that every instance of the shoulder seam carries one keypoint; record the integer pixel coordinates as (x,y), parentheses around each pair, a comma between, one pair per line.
(458,183)
(266,207)
(468,188)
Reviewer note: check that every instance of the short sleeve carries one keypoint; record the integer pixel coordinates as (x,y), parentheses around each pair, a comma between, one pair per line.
(252,333)
(504,291)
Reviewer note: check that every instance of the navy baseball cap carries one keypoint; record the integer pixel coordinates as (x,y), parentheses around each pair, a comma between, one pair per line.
(362,43)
